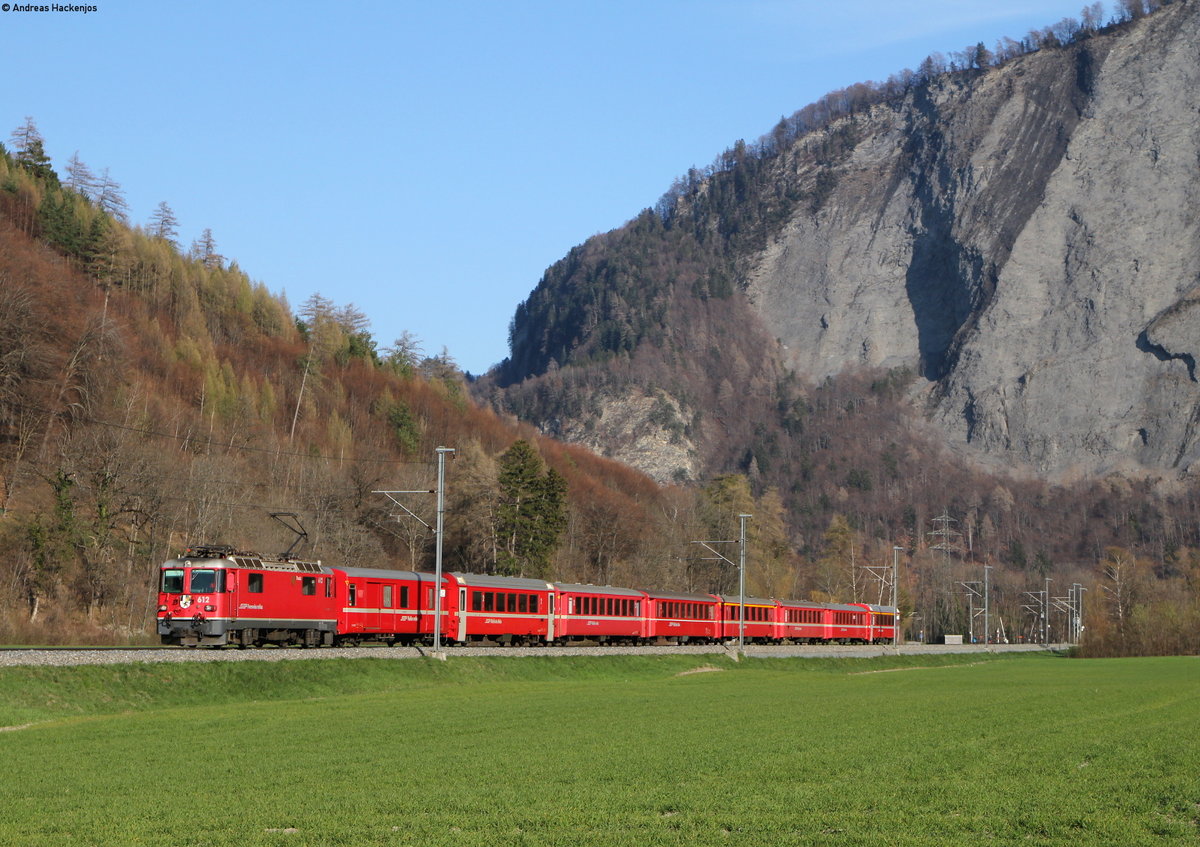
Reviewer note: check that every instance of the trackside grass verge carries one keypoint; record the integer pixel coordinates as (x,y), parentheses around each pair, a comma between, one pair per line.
(43,693)
(638,750)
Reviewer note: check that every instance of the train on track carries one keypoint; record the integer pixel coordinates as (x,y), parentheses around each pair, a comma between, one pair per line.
(216,596)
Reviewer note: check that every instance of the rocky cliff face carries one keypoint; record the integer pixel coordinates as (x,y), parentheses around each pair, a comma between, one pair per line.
(1024,239)
(1027,241)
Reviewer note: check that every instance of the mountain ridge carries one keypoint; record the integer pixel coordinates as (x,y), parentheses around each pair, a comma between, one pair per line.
(985,231)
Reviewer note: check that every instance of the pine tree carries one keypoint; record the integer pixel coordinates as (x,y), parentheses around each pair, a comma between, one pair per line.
(982,56)
(531,514)
(58,224)
(100,248)
(29,149)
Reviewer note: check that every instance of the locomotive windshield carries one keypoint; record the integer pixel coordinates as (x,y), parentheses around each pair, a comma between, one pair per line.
(207,581)
(172,581)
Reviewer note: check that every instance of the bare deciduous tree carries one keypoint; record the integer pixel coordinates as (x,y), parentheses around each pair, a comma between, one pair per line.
(80,177)
(111,197)
(204,251)
(163,224)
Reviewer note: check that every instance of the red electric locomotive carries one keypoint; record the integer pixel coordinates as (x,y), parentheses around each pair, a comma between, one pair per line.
(215,596)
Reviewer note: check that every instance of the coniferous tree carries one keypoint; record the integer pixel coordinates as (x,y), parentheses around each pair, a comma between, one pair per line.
(770,565)
(982,56)
(204,250)
(404,355)
(441,367)
(100,249)
(110,197)
(29,151)
(58,223)
(721,502)
(531,514)
(335,333)
(163,224)
(80,178)
(357,326)
(24,136)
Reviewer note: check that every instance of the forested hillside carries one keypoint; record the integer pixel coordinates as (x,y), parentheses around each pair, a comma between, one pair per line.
(152,398)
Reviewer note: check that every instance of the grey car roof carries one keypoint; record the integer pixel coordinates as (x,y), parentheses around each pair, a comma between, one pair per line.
(383,573)
(673,595)
(510,583)
(579,588)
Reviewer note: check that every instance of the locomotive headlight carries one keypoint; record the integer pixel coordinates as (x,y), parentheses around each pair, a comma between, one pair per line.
(210,608)
(162,608)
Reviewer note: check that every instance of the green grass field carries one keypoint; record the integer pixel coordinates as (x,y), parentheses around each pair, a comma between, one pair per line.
(1029,749)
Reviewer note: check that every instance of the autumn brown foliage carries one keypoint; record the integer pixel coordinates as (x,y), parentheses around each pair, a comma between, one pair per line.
(154,401)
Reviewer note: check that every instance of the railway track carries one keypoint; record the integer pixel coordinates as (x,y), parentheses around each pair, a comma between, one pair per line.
(66,656)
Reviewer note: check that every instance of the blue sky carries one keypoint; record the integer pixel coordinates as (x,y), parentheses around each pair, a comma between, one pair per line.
(427,161)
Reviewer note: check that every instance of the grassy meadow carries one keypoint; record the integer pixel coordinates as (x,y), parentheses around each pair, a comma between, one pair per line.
(641,750)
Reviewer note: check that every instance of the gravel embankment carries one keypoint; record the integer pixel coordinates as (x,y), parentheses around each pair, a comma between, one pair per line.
(108,656)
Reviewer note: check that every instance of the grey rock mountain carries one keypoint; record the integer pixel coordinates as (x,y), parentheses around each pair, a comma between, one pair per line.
(1026,239)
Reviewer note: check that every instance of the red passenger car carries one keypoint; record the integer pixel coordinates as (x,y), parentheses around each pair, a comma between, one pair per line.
(215,596)
(882,623)
(382,605)
(500,609)
(803,623)
(681,618)
(850,624)
(602,614)
(760,619)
